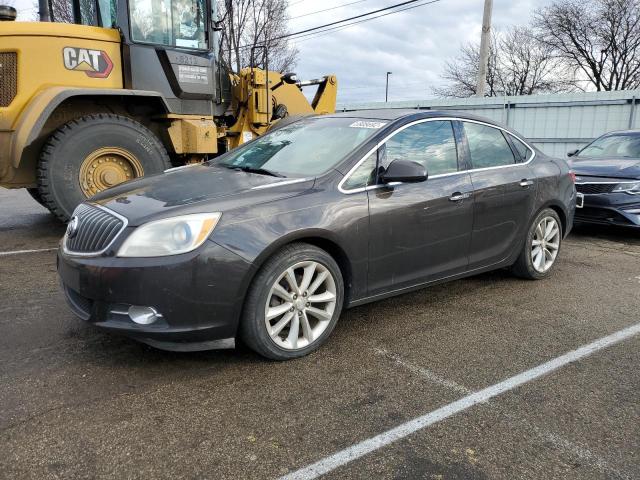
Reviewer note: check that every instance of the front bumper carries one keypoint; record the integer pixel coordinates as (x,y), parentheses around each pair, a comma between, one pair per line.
(199,295)
(620,209)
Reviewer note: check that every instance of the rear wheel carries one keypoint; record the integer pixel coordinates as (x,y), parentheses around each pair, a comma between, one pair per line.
(293,303)
(541,247)
(93,153)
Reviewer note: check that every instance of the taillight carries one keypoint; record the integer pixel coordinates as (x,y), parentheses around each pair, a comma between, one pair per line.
(573,177)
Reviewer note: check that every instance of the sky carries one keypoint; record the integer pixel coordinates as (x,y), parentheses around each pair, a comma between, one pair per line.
(413,45)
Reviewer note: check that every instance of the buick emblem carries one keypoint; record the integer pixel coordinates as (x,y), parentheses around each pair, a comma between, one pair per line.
(72,228)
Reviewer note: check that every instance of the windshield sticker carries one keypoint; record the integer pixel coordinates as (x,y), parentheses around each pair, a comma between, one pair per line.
(363,124)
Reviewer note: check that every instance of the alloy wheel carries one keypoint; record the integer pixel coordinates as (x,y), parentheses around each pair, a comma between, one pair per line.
(545,244)
(300,305)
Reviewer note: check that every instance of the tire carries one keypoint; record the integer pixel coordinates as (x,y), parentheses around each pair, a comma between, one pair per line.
(261,299)
(128,148)
(530,265)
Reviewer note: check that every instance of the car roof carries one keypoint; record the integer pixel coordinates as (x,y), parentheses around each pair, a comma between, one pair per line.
(622,132)
(401,113)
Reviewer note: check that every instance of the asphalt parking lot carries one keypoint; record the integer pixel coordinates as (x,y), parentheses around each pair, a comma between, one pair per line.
(76,403)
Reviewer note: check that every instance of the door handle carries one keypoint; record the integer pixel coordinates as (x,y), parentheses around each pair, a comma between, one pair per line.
(526,183)
(457,196)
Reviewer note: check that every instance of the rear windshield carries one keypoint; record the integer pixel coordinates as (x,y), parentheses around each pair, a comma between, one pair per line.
(305,148)
(623,145)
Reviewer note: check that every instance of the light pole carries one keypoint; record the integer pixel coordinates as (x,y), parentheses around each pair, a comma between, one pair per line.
(386,92)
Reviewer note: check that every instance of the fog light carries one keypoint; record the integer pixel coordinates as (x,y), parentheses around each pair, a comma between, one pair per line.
(143,315)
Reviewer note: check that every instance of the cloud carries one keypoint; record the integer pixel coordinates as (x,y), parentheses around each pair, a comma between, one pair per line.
(414,45)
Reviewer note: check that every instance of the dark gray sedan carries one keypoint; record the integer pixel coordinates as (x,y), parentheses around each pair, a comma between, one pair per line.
(269,242)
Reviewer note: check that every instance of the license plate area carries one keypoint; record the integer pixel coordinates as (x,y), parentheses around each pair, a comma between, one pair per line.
(579,200)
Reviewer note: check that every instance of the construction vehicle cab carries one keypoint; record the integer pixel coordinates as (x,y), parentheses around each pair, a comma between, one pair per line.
(110,90)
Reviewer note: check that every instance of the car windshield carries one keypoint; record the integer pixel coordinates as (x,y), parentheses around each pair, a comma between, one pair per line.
(305,148)
(623,145)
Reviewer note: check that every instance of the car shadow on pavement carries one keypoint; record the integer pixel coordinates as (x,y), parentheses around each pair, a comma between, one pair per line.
(607,232)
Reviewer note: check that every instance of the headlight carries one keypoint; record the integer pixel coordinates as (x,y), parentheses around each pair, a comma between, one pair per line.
(629,187)
(170,236)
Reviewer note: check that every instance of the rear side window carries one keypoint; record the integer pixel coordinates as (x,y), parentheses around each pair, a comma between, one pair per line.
(524,152)
(488,146)
(431,144)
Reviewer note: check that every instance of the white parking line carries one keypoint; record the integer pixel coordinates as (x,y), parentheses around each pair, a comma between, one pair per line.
(556,440)
(401,431)
(19,252)
(423,372)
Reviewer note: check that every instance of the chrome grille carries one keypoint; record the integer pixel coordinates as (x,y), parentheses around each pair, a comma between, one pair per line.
(8,78)
(95,230)
(595,188)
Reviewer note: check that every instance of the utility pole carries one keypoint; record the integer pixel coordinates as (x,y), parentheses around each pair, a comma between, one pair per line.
(386,92)
(485,42)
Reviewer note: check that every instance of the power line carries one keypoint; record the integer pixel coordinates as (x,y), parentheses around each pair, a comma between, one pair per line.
(348,19)
(313,32)
(327,9)
(310,36)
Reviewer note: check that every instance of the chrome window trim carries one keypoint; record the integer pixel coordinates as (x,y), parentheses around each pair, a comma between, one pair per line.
(125,223)
(423,120)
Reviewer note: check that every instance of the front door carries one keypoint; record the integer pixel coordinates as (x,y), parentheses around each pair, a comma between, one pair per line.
(420,231)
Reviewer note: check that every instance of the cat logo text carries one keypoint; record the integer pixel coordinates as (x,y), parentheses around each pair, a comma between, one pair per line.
(95,63)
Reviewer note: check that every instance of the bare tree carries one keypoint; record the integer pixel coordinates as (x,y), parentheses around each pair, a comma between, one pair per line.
(518,65)
(253,23)
(599,39)
(462,72)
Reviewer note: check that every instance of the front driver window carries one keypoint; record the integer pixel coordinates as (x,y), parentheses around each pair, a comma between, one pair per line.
(364,175)
(174,23)
(431,144)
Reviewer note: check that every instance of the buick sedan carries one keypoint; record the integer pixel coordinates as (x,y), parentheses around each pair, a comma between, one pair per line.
(270,242)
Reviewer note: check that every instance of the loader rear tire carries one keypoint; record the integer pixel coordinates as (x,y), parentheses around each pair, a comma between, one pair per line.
(92,153)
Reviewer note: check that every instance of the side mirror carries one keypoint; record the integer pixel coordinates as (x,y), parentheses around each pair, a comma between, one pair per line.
(573,152)
(404,171)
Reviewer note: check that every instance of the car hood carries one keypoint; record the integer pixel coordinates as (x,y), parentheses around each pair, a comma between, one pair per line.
(602,167)
(195,189)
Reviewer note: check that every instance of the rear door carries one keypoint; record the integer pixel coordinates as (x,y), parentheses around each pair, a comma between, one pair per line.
(504,193)
(420,231)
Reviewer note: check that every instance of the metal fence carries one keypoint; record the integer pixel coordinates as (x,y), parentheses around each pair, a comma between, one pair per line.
(554,123)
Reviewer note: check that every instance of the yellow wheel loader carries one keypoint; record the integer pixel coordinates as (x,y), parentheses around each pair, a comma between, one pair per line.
(130,88)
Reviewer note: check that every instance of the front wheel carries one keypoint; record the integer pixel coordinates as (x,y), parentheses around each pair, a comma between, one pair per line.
(93,153)
(541,247)
(293,304)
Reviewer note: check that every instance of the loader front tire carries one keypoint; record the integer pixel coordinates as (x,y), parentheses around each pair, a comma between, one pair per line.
(93,153)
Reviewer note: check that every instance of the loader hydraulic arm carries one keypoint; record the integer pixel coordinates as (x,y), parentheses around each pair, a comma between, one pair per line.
(261,99)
